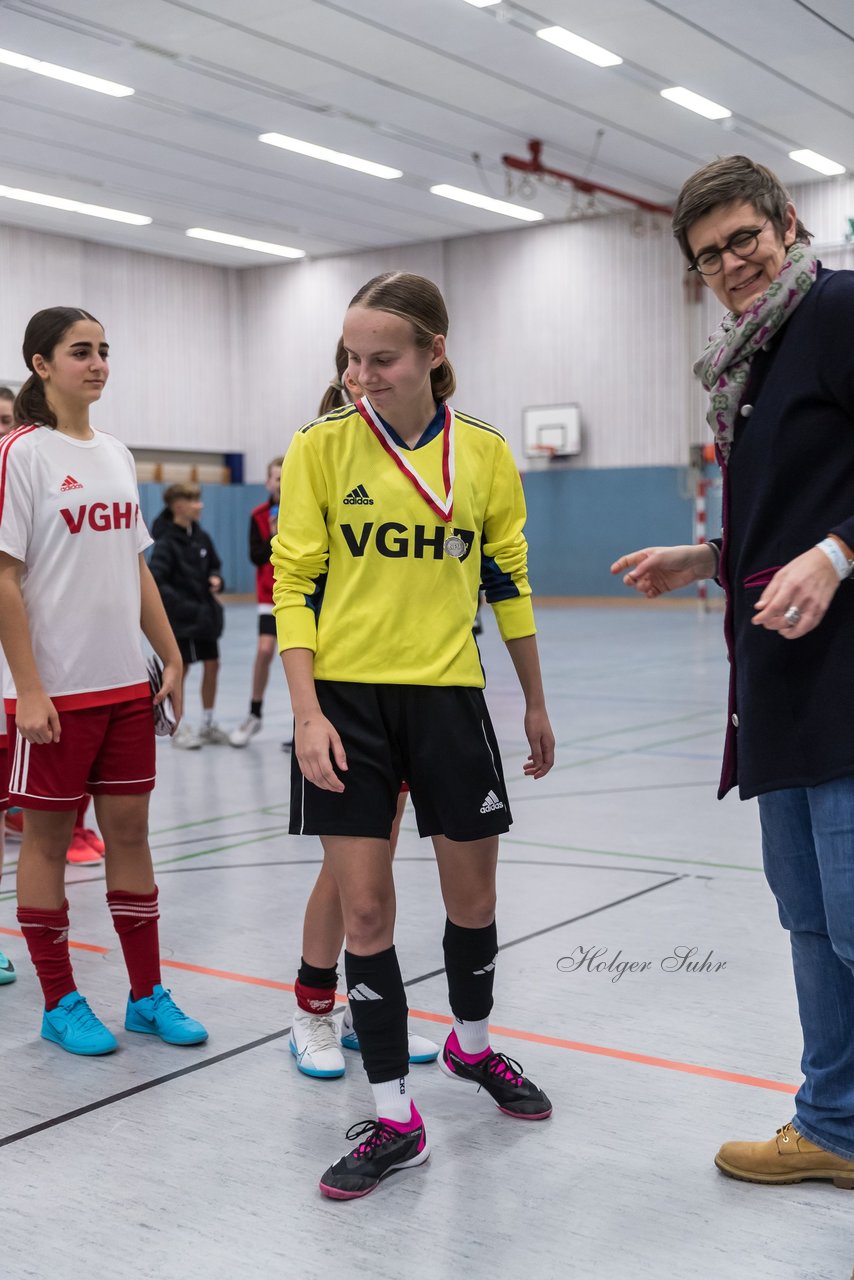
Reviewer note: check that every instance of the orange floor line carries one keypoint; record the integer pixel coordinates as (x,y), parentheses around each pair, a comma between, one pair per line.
(511,1033)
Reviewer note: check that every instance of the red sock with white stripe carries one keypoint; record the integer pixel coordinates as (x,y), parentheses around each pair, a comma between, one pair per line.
(135,917)
(46,935)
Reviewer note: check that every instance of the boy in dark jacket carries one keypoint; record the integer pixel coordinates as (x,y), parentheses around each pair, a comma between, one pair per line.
(186,568)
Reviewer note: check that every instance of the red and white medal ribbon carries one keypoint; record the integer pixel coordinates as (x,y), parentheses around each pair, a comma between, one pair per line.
(443,508)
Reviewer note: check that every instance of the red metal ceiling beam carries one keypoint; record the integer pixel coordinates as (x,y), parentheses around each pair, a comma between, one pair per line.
(535,167)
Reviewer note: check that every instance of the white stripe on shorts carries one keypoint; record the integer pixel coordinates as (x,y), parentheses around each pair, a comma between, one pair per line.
(21,763)
(491,756)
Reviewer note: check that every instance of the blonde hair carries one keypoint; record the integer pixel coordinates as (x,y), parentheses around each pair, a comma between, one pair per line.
(416,299)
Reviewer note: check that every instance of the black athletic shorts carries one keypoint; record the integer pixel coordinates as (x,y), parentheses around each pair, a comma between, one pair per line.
(440,740)
(266,624)
(198,651)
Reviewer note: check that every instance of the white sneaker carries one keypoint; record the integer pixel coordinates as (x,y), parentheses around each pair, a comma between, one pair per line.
(212,736)
(251,725)
(420,1048)
(315,1045)
(185,738)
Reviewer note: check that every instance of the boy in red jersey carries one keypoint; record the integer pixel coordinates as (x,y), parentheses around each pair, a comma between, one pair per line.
(262,527)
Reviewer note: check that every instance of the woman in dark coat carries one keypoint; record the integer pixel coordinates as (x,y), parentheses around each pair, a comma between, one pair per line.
(780,373)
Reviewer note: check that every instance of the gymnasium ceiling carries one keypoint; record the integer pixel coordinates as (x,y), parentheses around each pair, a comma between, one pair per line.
(420,85)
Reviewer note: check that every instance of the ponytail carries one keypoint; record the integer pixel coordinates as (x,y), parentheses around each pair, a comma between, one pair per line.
(443,380)
(334,397)
(31,403)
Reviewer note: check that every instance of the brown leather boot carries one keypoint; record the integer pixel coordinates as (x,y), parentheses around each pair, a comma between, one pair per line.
(788,1157)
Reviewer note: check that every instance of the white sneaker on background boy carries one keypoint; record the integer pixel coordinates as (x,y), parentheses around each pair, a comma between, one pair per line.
(242,735)
(185,738)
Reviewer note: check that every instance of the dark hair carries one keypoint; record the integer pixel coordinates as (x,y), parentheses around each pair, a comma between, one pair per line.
(6,393)
(43,334)
(416,299)
(335,395)
(274,462)
(175,492)
(728,180)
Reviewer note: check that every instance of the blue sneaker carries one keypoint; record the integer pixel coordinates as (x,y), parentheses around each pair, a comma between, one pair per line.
(420,1048)
(159,1015)
(73,1026)
(7,970)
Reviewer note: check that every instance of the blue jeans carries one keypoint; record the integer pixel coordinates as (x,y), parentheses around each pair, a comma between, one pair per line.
(808,853)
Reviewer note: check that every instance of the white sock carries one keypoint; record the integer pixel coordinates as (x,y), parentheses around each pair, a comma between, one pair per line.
(473,1037)
(207,718)
(392,1100)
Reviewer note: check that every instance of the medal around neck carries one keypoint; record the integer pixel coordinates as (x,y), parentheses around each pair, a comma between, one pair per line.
(402,458)
(454,546)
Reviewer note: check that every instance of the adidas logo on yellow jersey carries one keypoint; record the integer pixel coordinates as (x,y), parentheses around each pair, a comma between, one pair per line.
(358,497)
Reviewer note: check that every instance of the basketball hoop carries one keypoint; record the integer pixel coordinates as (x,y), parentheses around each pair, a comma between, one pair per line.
(547,452)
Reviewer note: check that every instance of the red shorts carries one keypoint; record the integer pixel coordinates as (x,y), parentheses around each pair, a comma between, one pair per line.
(4,774)
(101,751)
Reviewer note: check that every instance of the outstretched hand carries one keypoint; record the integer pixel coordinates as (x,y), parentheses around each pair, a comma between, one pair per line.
(656,570)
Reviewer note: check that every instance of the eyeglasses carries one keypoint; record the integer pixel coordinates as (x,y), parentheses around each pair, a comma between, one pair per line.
(742,244)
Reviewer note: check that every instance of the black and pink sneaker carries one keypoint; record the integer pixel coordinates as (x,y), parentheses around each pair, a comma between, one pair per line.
(386,1146)
(500,1076)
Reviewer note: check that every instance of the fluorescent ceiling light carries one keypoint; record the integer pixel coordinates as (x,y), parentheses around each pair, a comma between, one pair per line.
(241,242)
(694,102)
(332,157)
(74,206)
(482,4)
(813,160)
(487,202)
(54,72)
(579,46)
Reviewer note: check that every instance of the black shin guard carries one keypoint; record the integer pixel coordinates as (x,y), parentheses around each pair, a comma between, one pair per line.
(378,1005)
(470,956)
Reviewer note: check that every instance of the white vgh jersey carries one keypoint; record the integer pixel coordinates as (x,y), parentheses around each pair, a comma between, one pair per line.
(69,510)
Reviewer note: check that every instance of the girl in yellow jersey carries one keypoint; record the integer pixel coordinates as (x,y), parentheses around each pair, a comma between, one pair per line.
(317,1035)
(393,511)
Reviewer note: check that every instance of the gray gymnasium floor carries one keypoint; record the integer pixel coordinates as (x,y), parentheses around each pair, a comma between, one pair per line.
(177,1164)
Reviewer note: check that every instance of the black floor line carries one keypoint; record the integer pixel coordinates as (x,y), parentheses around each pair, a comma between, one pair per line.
(278,1035)
(140,1088)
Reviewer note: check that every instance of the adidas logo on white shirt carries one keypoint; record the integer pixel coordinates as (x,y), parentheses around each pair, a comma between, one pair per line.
(68,484)
(362,993)
(491,803)
(358,497)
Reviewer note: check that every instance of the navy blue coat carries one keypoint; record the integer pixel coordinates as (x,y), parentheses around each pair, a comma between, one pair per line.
(788,483)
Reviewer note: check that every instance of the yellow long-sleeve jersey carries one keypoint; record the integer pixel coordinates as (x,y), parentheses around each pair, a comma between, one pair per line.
(362,576)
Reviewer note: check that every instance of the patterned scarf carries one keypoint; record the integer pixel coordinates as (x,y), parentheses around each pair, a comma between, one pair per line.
(724,367)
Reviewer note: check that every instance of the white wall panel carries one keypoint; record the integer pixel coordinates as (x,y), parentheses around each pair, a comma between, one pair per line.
(169,323)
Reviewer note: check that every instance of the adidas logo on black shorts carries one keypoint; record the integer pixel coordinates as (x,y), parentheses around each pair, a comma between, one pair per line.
(358,497)
(491,803)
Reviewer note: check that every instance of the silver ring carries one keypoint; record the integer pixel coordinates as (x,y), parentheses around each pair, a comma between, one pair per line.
(792,616)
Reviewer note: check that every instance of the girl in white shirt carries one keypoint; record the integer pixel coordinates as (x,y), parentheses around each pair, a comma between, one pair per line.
(74,590)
